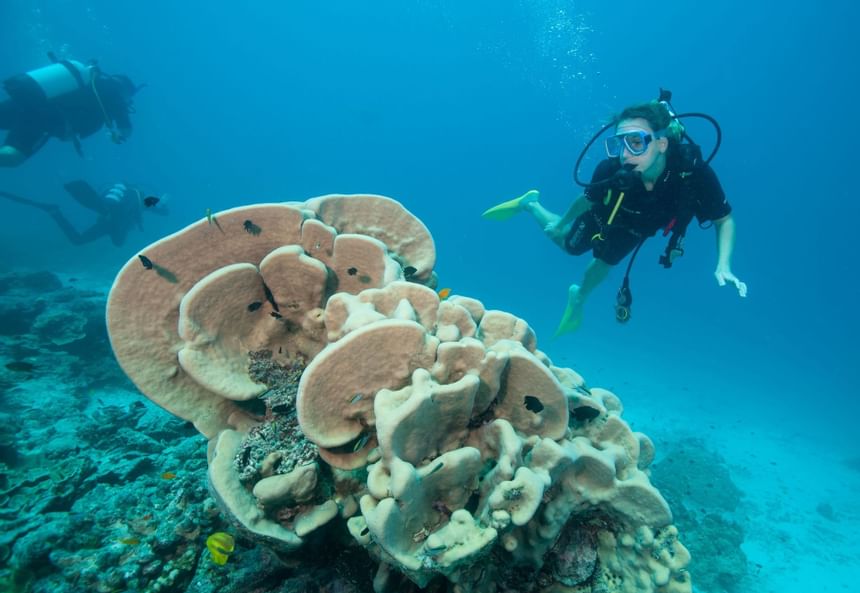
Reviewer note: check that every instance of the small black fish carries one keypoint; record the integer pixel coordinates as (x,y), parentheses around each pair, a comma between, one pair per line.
(147,263)
(409,272)
(352,271)
(585,413)
(254,306)
(270,297)
(150,201)
(251,228)
(275,314)
(533,404)
(20,366)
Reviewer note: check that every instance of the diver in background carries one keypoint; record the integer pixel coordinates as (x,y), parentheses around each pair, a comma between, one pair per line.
(650,181)
(119,210)
(66,100)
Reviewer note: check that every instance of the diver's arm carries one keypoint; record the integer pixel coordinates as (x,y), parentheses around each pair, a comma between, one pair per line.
(123,130)
(96,231)
(119,111)
(725,230)
(11,156)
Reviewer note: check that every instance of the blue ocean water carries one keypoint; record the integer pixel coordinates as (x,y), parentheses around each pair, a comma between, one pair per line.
(450,107)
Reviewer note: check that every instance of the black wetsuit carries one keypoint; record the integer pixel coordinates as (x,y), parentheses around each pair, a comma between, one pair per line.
(642,213)
(117,213)
(32,121)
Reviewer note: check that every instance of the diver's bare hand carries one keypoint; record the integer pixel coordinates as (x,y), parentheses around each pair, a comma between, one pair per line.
(724,275)
(555,230)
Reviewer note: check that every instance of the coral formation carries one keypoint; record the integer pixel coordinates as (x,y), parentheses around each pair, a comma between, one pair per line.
(338,391)
(72,522)
(705,501)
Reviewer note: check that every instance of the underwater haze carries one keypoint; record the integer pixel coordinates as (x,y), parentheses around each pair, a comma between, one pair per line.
(450,107)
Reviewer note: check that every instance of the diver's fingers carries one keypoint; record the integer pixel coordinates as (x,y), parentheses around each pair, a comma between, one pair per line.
(742,288)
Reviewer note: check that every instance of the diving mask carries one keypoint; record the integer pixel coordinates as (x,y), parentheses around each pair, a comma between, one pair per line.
(636,141)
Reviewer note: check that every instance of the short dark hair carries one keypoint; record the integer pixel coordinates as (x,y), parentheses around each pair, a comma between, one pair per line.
(656,114)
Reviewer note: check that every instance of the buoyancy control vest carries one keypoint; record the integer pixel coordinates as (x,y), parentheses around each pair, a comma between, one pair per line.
(690,158)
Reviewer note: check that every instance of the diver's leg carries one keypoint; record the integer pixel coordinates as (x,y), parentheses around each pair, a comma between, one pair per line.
(510,208)
(117,234)
(541,215)
(25,137)
(96,231)
(9,114)
(549,222)
(555,227)
(27,201)
(577,294)
(72,234)
(86,195)
(11,156)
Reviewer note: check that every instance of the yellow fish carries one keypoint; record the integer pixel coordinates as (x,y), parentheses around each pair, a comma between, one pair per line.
(168,475)
(220,545)
(129,541)
(444,293)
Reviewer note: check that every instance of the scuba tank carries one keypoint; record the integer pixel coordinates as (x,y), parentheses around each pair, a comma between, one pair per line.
(48,83)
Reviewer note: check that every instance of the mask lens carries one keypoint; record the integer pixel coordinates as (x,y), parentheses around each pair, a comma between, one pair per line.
(636,142)
(614,144)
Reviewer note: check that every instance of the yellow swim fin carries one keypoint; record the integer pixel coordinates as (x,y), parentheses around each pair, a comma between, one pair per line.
(572,318)
(506,210)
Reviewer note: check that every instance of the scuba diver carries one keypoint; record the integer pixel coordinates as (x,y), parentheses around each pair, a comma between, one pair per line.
(119,209)
(66,99)
(651,180)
